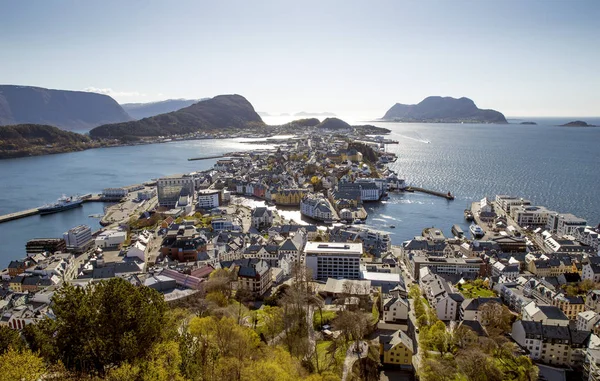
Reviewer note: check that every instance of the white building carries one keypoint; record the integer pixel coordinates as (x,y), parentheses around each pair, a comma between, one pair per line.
(146,194)
(261,217)
(395,309)
(548,315)
(317,208)
(208,199)
(110,239)
(564,224)
(138,250)
(114,192)
(508,202)
(588,236)
(79,238)
(533,216)
(586,320)
(333,260)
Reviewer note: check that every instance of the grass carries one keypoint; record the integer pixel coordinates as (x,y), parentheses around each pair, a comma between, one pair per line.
(470,290)
(326,362)
(328,317)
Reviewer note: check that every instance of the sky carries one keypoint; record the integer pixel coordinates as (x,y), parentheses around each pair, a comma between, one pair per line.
(520,57)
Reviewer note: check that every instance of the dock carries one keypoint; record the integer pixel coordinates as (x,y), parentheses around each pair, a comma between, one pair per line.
(447,196)
(207,157)
(34,211)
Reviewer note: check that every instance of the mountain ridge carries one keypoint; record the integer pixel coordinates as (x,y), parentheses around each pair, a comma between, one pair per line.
(145,110)
(437,109)
(66,109)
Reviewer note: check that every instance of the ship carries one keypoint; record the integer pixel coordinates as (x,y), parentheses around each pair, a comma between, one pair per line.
(63,203)
(469,215)
(477,231)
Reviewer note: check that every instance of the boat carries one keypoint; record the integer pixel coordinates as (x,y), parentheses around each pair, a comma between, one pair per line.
(63,203)
(477,231)
(392,226)
(359,221)
(457,231)
(469,215)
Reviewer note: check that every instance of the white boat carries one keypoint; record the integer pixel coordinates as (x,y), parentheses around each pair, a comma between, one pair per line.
(63,203)
(477,231)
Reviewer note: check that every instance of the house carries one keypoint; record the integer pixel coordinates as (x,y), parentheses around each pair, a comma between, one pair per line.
(253,275)
(586,320)
(550,315)
(470,309)
(16,267)
(592,300)
(396,349)
(508,271)
(261,218)
(395,309)
(591,269)
(570,305)
(448,307)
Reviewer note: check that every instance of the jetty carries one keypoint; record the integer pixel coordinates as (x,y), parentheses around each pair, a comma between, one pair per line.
(207,157)
(447,196)
(34,211)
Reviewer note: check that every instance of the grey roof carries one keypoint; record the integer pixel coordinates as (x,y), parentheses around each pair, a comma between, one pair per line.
(552,312)
(474,304)
(475,326)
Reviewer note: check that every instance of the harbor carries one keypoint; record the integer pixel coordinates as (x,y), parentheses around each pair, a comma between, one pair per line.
(35,211)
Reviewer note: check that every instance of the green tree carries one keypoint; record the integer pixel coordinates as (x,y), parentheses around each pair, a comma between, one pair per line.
(20,366)
(9,338)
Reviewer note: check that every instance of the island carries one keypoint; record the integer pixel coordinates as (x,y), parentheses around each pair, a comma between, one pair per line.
(528,123)
(577,123)
(436,109)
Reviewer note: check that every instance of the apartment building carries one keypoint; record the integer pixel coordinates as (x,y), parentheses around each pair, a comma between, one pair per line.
(79,238)
(333,260)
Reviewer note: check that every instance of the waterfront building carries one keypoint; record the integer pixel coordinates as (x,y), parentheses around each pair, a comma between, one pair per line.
(588,236)
(145,195)
(316,207)
(114,193)
(369,191)
(564,224)
(288,197)
(508,202)
(530,216)
(208,199)
(41,245)
(170,188)
(79,238)
(333,260)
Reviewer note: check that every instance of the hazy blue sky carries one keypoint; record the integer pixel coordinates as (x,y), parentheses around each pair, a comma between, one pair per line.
(524,58)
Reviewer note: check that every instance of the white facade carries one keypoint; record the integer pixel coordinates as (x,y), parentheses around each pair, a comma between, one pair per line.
(333,260)
(395,309)
(170,188)
(317,208)
(110,239)
(138,250)
(591,271)
(508,202)
(79,238)
(114,192)
(146,194)
(564,224)
(586,320)
(208,199)
(530,215)
(447,308)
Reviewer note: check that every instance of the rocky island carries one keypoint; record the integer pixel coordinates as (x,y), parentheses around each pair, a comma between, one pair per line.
(577,123)
(437,109)
(528,123)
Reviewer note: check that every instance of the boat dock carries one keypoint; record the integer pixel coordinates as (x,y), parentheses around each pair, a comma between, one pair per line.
(206,157)
(34,211)
(447,196)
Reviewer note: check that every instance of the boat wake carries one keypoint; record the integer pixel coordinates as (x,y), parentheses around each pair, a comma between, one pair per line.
(416,137)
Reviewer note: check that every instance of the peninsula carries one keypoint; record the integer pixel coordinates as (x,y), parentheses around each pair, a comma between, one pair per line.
(437,109)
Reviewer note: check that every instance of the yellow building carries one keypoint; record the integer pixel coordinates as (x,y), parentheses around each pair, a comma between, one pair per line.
(570,305)
(352,155)
(396,349)
(288,196)
(552,267)
(16,284)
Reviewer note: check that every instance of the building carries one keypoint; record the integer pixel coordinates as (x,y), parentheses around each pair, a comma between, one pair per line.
(395,309)
(530,216)
(545,314)
(508,202)
(588,236)
(170,188)
(470,309)
(110,239)
(586,320)
(508,271)
(569,305)
(261,218)
(591,269)
(396,349)
(41,245)
(317,208)
(114,193)
(253,275)
(591,365)
(226,224)
(144,195)
(208,199)
(592,301)
(472,267)
(551,344)
(369,191)
(79,238)
(333,260)
(564,224)
(288,197)
(183,243)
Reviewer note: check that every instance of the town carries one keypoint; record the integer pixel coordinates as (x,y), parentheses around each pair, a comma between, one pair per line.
(523,283)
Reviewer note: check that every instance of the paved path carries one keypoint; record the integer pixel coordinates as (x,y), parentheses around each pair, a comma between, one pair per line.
(352,356)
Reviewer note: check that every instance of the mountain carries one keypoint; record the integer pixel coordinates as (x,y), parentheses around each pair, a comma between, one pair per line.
(216,114)
(145,110)
(334,124)
(443,110)
(69,110)
(34,139)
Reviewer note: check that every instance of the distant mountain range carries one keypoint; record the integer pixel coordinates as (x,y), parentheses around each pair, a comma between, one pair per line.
(304,113)
(69,110)
(217,114)
(145,110)
(443,110)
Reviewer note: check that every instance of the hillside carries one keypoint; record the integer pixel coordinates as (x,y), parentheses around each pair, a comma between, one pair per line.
(220,113)
(334,124)
(69,110)
(145,110)
(33,140)
(443,110)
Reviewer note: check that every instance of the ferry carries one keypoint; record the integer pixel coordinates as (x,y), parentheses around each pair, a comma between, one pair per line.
(477,231)
(63,203)
(469,215)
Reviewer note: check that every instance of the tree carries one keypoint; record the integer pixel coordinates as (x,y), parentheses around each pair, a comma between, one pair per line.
(354,325)
(104,324)
(496,318)
(9,338)
(20,366)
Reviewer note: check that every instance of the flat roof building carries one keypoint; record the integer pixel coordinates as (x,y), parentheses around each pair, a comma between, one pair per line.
(333,260)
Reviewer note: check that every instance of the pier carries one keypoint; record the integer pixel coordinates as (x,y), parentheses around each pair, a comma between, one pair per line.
(206,157)
(34,211)
(447,196)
